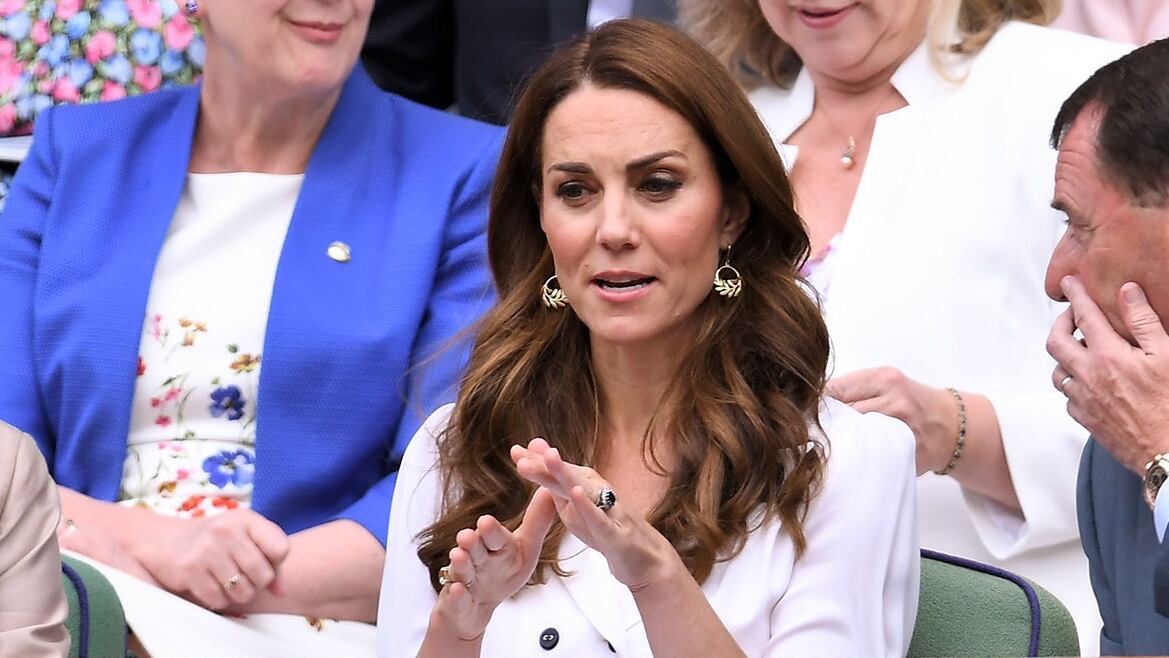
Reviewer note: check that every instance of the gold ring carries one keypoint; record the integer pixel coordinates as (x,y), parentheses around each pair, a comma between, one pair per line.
(230,583)
(444,576)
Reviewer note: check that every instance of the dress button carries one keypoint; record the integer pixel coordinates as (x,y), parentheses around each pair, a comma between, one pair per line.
(549,639)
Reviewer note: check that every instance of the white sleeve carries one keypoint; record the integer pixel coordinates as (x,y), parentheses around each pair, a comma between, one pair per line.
(854,591)
(407,597)
(1043,447)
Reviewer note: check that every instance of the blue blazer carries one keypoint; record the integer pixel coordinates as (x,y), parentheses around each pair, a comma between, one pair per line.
(353,352)
(1126,561)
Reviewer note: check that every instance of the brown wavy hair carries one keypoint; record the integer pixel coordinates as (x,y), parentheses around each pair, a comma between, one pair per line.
(740,37)
(738,410)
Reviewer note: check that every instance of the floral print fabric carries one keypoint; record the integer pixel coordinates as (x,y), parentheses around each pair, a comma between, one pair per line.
(191,449)
(82,51)
(192,473)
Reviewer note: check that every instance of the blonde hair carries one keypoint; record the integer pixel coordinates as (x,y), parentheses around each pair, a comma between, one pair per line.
(740,37)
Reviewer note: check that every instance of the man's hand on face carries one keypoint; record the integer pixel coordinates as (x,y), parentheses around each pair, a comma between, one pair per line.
(1118,391)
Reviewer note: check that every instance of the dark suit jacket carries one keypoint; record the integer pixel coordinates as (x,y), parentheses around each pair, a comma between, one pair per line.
(473,53)
(1117,530)
(348,370)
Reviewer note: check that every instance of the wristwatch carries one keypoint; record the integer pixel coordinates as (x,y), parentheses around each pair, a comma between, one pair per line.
(1156,472)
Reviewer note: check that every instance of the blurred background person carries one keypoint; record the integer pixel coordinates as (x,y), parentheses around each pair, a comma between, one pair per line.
(694,494)
(32,600)
(1126,21)
(220,304)
(475,54)
(916,136)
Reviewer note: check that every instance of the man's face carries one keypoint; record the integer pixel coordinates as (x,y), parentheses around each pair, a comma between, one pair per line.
(1109,241)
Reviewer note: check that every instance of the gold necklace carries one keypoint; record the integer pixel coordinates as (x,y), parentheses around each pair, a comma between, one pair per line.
(849,155)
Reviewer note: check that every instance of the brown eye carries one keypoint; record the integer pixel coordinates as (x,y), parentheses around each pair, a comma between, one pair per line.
(659,186)
(572,191)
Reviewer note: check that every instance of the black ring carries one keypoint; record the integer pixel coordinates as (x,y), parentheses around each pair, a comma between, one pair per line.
(606,499)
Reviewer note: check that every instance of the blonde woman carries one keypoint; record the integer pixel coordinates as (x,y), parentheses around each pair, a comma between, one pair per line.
(916,136)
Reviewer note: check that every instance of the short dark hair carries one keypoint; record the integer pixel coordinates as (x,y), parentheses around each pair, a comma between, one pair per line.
(1132,143)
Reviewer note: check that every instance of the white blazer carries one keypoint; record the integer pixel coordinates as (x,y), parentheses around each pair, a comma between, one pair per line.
(939,272)
(853,593)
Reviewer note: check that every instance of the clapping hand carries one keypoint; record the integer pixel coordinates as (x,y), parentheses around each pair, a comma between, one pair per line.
(489,564)
(637,553)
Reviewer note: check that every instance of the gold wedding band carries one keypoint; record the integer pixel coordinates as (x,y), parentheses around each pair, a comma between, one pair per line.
(230,583)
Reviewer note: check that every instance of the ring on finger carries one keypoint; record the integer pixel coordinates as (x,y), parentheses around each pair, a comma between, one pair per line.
(1064,382)
(444,578)
(232,582)
(606,499)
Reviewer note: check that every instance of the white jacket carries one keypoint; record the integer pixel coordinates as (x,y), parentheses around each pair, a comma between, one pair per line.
(853,593)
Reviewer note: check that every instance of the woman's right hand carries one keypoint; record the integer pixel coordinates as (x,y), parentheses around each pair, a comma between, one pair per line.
(215,561)
(490,564)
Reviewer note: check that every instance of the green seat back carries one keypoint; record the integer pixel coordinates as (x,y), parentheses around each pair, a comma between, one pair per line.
(972,609)
(97,624)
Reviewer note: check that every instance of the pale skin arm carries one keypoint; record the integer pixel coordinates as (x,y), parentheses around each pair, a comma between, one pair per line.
(932,414)
(331,570)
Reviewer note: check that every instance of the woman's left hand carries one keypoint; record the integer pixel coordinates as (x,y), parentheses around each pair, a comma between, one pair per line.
(637,553)
(931,413)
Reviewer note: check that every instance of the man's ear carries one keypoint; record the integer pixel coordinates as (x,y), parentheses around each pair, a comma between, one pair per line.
(736,212)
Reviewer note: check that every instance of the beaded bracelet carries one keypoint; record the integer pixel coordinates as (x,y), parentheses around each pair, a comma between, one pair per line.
(961,432)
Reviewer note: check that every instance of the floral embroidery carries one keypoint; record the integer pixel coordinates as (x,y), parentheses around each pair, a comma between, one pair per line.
(190,329)
(245,363)
(228,400)
(198,469)
(81,51)
(234,466)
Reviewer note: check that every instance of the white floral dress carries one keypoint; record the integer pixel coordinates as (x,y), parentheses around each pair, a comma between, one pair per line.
(192,443)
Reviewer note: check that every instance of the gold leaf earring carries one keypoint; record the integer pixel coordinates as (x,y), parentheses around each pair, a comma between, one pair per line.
(727,280)
(553,298)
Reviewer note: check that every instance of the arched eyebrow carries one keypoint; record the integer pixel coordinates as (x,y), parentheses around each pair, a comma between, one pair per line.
(634,165)
(571,167)
(653,158)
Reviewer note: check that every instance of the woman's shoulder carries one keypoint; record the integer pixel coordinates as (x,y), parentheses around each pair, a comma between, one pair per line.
(869,449)
(133,111)
(23,472)
(408,120)
(1045,57)
(422,453)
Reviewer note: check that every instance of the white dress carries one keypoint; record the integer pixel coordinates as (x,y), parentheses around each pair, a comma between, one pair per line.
(853,593)
(192,444)
(939,272)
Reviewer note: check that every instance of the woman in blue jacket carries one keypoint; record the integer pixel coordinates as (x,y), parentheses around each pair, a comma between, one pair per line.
(226,309)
